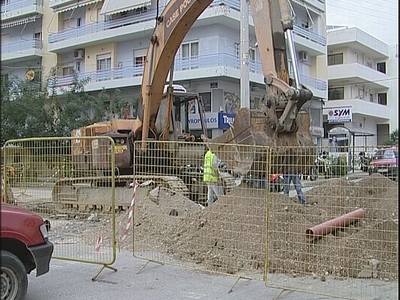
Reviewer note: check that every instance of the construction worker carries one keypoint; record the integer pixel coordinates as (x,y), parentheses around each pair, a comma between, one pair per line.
(210,176)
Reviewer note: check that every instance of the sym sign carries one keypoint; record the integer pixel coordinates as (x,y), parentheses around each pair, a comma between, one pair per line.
(340,115)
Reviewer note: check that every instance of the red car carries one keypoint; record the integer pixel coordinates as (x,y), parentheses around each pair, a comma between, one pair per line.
(385,162)
(24,247)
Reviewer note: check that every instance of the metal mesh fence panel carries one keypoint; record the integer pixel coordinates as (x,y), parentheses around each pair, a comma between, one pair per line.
(345,231)
(174,222)
(72,188)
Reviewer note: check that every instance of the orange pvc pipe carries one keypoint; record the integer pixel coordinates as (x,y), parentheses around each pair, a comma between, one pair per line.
(322,229)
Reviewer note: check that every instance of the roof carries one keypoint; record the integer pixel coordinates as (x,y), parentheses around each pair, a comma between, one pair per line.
(356,131)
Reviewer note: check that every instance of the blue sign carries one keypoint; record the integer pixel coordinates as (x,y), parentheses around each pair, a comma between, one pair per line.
(224,119)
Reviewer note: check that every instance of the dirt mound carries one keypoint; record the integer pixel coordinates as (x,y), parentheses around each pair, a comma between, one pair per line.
(230,236)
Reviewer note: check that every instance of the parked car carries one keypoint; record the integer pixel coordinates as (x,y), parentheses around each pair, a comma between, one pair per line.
(385,162)
(24,247)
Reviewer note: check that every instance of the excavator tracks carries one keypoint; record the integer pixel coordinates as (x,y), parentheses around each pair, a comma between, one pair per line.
(95,193)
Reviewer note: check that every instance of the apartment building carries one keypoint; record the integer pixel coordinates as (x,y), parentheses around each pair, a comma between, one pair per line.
(362,106)
(24,37)
(106,42)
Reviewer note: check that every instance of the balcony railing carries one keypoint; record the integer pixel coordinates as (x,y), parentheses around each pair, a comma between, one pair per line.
(22,45)
(150,15)
(202,62)
(18,4)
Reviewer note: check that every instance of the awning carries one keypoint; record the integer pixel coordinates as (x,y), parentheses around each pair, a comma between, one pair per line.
(111,7)
(301,3)
(17,22)
(75,4)
(355,131)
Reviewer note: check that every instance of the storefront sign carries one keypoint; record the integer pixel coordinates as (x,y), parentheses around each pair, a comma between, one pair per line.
(210,120)
(340,115)
(317,131)
(225,119)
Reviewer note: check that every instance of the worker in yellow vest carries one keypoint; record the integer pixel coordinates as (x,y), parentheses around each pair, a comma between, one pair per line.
(210,176)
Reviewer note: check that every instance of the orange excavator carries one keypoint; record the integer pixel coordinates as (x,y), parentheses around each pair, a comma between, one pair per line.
(278,124)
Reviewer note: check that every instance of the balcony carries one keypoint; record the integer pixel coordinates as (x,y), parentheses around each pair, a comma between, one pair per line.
(21,50)
(355,38)
(201,67)
(356,73)
(20,8)
(143,23)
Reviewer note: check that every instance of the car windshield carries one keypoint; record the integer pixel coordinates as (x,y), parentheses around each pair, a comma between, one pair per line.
(386,154)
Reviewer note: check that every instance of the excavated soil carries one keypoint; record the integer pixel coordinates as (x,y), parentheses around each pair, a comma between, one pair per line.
(231,235)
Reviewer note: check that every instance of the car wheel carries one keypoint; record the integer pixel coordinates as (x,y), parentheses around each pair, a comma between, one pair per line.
(14,280)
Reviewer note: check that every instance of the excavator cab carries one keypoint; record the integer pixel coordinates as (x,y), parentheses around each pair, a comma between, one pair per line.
(186,108)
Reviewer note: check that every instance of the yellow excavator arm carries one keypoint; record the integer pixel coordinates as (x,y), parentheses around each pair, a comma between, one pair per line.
(171,27)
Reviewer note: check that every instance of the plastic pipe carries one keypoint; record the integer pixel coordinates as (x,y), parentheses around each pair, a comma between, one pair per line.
(322,229)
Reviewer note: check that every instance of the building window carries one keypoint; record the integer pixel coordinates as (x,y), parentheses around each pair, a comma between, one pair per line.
(38,36)
(381,67)
(335,59)
(69,24)
(103,67)
(336,93)
(139,59)
(68,71)
(190,54)
(206,97)
(382,98)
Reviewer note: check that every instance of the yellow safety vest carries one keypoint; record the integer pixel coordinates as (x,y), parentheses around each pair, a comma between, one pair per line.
(209,172)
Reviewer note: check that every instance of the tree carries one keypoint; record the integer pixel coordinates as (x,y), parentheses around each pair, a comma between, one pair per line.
(393,139)
(30,111)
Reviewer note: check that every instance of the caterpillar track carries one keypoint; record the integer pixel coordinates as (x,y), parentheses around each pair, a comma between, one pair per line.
(95,193)
(88,193)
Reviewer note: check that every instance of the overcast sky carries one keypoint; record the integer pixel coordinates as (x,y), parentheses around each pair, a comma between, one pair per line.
(379,18)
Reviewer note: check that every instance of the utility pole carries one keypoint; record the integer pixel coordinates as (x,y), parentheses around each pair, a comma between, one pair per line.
(244,54)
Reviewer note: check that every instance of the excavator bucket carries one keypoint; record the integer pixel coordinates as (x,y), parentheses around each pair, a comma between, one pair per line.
(236,146)
(247,145)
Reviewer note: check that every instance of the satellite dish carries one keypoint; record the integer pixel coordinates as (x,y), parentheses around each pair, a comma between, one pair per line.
(30,75)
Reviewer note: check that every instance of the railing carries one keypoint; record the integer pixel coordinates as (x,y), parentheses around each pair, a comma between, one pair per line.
(200,62)
(150,15)
(309,35)
(22,45)
(18,4)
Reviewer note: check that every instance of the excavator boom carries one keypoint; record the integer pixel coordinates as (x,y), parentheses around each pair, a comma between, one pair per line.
(277,122)
(171,27)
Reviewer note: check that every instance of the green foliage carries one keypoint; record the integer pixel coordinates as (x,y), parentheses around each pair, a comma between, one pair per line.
(30,111)
(339,166)
(393,139)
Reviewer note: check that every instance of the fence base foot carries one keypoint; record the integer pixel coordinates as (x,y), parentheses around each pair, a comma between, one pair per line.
(101,270)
